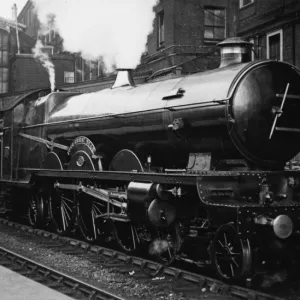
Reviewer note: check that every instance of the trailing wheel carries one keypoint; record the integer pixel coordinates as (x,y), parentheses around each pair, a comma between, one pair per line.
(62,207)
(231,256)
(37,209)
(88,210)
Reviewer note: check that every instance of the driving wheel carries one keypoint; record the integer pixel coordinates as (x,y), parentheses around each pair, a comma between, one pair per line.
(89,208)
(126,237)
(62,207)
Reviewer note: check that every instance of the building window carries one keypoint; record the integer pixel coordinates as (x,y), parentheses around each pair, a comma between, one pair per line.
(160,29)
(47,49)
(245,2)
(214,24)
(275,45)
(69,77)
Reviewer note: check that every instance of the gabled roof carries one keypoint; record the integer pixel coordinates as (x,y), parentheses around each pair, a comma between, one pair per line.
(24,9)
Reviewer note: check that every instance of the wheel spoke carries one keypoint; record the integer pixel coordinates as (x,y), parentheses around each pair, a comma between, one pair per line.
(232,271)
(233,259)
(94,226)
(221,243)
(231,256)
(126,236)
(225,239)
(168,251)
(133,237)
(88,209)
(62,211)
(37,210)
(66,208)
(235,253)
(63,218)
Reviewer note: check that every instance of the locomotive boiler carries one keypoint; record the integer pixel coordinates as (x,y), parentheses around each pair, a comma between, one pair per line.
(192,166)
(228,113)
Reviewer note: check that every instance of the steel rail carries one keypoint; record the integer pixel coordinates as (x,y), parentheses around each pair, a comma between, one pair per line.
(150,268)
(51,277)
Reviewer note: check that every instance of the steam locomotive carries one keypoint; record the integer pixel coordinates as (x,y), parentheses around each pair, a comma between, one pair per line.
(193,167)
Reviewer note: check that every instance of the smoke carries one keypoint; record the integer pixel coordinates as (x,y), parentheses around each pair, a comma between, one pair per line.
(114,29)
(158,246)
(47,64)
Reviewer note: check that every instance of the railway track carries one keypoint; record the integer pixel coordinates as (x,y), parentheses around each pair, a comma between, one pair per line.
(66,284)
(139,268)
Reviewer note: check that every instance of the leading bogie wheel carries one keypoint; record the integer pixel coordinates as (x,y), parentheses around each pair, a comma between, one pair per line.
(231,255)
(167,245)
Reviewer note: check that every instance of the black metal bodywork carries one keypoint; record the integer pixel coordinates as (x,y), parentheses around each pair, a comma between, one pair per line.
(226,112)
(243,112)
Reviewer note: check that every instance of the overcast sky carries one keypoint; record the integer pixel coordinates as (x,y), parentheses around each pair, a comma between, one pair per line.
(6,5)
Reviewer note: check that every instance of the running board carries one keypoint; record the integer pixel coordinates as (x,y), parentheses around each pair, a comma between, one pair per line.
(100,194)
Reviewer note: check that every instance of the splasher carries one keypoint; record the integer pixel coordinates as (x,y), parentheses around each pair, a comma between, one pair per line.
(45,61)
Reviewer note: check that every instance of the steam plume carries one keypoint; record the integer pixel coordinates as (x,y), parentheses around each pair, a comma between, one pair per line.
(158,246)
(47,64)
(114,29)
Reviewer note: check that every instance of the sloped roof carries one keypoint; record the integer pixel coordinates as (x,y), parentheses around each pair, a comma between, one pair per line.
(5,24)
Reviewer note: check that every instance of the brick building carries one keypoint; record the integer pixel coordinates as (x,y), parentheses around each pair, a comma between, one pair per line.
(185,33)
(273,26)
(82,69)
(26,73)
(19,70)
(8,46)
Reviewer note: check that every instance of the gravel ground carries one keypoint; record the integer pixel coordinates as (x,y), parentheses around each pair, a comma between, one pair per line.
(109,278)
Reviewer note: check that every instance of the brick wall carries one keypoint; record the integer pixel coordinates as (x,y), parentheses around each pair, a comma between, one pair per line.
(188,22)
(27,73)
(184,35)
(167,6)
(263,17)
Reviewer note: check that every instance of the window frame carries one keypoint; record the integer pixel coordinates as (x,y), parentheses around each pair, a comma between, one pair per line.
(65,76)
(280,32)
(214,40)
(242,5)
(47,49)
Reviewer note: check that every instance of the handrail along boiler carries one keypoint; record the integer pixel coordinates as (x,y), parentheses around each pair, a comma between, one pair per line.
(194,166)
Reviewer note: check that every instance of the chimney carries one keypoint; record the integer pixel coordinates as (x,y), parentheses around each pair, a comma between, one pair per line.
(124,78)
(234,50)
